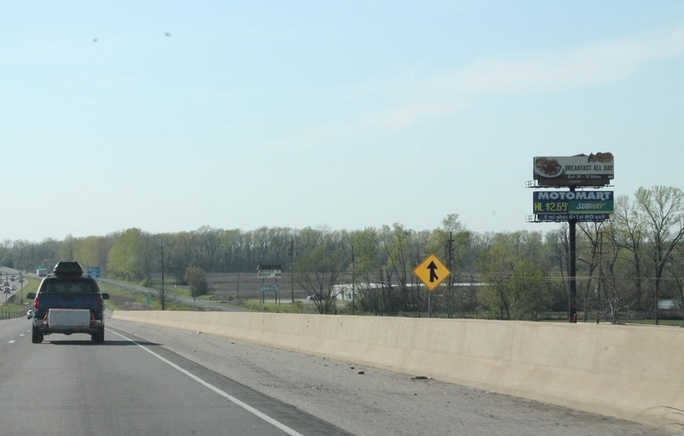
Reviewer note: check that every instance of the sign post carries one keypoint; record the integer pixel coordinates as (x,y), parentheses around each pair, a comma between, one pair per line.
(269,272)
(431,272)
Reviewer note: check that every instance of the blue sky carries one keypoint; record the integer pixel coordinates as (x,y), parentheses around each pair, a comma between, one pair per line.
(169,116)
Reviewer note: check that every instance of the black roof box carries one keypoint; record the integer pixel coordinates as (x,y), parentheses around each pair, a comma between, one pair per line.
(68,269)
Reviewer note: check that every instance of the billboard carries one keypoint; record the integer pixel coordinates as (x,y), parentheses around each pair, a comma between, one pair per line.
(580,170)
(563,206)
(269,271)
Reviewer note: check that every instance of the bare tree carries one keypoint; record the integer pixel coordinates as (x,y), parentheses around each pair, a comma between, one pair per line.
(530,297)
(664,210)
(209,241)
(320,262)
(628,232)
(496,266)
(366,264)
(676,273)
(593,235)
(404,249)
(161,293)
(180,254)
(617,292)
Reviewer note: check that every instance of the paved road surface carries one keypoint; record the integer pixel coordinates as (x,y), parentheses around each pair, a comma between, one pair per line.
(69,386)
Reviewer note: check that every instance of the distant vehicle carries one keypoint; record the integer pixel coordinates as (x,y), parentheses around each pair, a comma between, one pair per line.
(68,302)
(41,272)
(29,313)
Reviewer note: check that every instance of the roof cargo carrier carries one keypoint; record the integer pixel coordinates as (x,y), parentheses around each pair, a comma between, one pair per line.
(68,269)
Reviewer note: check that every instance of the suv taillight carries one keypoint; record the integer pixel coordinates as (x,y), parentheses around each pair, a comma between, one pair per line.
(100,304)
(36,303)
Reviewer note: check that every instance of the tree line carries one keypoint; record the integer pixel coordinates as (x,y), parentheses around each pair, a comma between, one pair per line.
(629,266)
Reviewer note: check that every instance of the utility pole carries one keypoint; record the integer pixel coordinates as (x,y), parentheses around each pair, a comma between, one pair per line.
(600,278)
(449,248)
(450,283)
(291,253)
(163,294)
(21,285)
(353,281)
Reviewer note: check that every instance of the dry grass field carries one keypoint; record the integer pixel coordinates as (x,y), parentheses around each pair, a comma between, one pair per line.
(228,286)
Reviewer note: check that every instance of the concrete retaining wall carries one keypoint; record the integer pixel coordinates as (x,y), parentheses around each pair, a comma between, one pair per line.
(634,373)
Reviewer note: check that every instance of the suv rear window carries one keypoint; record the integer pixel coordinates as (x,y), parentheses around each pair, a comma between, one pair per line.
(74,286)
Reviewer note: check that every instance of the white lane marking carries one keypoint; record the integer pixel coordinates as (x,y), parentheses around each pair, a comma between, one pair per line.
(225,395)
(12,341)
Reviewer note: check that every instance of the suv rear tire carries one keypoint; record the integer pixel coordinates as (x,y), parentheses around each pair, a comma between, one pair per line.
(36,335)
(98,337)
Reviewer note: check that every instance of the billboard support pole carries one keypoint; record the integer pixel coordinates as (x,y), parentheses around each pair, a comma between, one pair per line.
(572,263)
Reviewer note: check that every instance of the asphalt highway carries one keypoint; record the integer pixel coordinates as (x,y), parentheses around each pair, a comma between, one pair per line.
(70,386)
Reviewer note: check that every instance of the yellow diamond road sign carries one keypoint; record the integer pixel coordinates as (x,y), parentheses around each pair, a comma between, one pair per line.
(431,272)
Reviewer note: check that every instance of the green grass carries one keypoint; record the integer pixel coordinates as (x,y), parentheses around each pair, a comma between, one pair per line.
(285,306)
(14,308)
(123,298)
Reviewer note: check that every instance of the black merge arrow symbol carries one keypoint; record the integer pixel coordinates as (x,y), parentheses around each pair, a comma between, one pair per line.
(433,275)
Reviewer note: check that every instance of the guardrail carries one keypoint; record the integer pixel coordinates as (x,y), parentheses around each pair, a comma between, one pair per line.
(11,314)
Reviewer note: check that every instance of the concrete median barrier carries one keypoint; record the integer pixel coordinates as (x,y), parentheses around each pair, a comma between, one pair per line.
(630,372)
